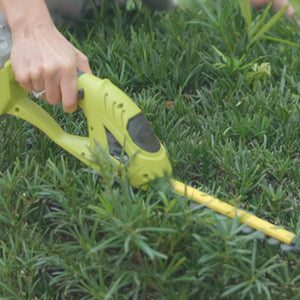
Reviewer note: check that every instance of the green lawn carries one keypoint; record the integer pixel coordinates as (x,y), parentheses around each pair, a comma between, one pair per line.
(225,101)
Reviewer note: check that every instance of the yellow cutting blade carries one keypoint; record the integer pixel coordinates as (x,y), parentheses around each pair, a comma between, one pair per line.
(232,212)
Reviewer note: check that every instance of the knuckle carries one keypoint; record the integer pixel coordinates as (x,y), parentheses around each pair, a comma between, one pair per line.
(35,73)
(84,59)
(61,70)
(51,71)
(68,64)
(22,77)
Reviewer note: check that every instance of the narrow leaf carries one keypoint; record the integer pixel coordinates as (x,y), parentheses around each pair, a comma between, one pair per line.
(266,27)
(267,37)
(246,13)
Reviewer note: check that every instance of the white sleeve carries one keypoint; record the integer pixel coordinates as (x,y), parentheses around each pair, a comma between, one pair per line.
(5,42)
(2,19)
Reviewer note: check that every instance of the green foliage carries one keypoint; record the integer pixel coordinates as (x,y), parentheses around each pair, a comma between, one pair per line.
(256,28)
(226,103)
(296,5)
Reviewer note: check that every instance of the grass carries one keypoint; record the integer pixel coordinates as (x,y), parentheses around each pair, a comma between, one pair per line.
(227,108)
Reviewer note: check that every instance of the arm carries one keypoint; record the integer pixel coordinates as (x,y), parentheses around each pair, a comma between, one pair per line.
(41,57)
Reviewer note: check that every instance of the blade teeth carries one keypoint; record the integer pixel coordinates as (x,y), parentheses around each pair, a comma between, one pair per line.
(273,242)
(247,230)
(260,235)
(289,248)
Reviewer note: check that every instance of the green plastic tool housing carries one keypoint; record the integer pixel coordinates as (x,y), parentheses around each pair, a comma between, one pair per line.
(115,123)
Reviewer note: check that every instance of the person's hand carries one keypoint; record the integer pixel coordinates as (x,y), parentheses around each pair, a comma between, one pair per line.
(43,60)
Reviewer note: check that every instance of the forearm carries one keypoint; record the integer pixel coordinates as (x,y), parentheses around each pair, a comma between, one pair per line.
(43,60)
(24,15)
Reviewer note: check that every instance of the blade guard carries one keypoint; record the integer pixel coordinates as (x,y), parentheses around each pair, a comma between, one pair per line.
(114,122)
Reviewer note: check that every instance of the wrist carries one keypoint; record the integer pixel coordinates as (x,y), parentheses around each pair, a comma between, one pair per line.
(24,16)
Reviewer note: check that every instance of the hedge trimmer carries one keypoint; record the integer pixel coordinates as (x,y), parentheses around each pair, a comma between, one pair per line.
(117,125)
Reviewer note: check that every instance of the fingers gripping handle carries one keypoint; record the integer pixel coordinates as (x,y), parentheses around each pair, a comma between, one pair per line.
(14,101)
(10,90)
(107,109)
